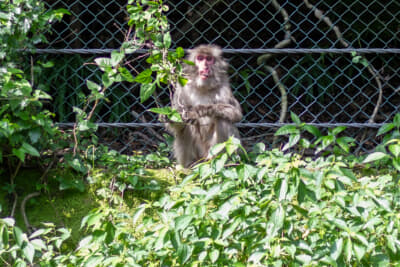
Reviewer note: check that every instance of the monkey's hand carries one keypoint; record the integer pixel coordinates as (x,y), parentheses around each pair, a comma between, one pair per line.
(189,115)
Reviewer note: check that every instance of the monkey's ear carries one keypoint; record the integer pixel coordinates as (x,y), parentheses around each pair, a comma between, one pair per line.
(216,51)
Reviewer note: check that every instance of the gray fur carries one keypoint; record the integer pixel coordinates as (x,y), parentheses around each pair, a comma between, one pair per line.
(208,109)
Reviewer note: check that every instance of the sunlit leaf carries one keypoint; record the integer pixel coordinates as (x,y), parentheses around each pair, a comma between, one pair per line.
(28,251)
(336,249)
(295,118)
(359,251)
(214,255)
(375,157)
(116,58)
(385,128)
(144,77)
(182,222)
(287,129)
(146,90)
(184,253)
(138,213)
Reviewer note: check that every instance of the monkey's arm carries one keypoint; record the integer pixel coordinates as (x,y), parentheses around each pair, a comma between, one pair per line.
(226,111)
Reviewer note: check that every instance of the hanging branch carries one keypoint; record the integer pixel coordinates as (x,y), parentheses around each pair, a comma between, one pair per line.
(261,60)
(320,15)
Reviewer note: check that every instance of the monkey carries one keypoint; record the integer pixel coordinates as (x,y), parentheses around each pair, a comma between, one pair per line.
(206,104)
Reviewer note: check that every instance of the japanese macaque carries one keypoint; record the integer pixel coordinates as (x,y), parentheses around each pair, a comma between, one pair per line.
(206,104)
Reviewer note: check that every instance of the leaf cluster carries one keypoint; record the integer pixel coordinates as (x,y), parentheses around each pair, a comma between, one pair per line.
(25,127)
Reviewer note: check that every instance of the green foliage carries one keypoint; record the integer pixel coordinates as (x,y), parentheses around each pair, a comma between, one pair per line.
(23,24)
(327,144)
(19,249)
(151,31)
(263,208)
(25,127)
(389,151)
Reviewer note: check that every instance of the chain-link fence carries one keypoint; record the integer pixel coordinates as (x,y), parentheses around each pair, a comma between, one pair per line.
(330,62)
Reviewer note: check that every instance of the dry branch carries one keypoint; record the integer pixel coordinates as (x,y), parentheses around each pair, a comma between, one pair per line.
(320,15)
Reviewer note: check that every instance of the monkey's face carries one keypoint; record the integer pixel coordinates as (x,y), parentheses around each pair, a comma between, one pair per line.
(204,65)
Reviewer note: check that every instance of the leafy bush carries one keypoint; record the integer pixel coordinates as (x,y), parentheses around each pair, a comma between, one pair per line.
(25,128)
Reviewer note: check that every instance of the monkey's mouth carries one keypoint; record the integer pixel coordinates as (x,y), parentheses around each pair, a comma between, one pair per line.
(204,75)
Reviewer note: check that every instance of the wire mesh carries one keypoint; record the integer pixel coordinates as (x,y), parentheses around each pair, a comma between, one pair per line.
(337,61)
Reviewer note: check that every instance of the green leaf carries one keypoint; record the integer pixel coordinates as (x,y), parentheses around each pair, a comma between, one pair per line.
(214,255)
(110,233)
(167,40)
(160,241)
(30,150)
(359,251)
(278,218)
(138,213)
(184,253)
(180,53)
(341,224)
(396,120)
(380,260)
(144,77)
(395,149)
(34,135)
(94,260)
(28,251)
(20,153)
(312,130)
(182,222)
(4,236)
(182,81)
(348,249)
(385,128)
(216,149)
(116,57)
(391,243)
(104,63)
(375,157)
(18,235)
(287,129)
(304,259)
(396,163)
(146,90)
(295,118)
(164,110)
(338,130)
(283,190)
(126,75)
(172,114)
(78,165)
(38,244)
(343,142)
(94,87)
(336,249)
(293,140)
(94,218)
(232,144)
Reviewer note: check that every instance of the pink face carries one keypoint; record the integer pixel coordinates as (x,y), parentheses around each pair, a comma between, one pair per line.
(204,64)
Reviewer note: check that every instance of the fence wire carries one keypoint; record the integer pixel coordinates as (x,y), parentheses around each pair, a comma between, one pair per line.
(336,61)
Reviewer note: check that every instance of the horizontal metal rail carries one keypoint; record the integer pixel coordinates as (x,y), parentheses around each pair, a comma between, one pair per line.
(238,51)
(241,125)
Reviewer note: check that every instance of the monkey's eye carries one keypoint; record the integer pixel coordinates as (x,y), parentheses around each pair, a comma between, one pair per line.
(200,57)
(210,59)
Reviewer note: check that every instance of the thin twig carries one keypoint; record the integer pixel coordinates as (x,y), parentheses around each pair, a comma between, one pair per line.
(32,73)
(12,186)
(23,204)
